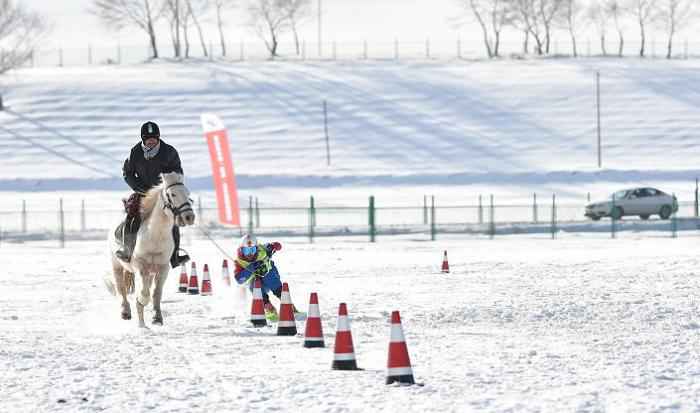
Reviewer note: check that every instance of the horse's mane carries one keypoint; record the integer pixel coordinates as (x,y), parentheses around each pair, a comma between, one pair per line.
(148,203)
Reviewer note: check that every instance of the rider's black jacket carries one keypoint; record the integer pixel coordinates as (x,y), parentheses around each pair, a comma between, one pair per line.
(142,174)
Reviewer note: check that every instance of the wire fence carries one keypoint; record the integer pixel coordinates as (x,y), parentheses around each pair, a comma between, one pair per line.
(486,217)
(395,49)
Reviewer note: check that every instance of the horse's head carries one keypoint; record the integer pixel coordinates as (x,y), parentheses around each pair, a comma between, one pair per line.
(177,198)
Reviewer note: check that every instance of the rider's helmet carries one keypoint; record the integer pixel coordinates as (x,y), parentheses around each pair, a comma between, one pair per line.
(248,247)
(150,130)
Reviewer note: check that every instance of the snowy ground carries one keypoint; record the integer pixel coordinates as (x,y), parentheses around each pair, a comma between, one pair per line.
(575,324)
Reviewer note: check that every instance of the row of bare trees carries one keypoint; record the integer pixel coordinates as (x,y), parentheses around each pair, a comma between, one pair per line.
(269,19)
(537,19)
(20,31)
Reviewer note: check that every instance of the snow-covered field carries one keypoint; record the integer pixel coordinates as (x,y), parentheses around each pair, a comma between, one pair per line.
(520,324)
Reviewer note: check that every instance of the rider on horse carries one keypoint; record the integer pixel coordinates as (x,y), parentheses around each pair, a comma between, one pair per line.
(148,159)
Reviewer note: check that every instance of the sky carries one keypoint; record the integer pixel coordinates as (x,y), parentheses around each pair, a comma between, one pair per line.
(384,19)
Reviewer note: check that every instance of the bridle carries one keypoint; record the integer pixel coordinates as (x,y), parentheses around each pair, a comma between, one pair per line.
(168,202)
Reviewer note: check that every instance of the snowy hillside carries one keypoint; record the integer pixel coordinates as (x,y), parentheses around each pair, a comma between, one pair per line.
(389,122)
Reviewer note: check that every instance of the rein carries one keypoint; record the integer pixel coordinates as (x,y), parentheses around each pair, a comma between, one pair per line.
(168,203)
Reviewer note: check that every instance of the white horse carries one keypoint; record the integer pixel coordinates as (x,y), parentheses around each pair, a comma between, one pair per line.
(163,206)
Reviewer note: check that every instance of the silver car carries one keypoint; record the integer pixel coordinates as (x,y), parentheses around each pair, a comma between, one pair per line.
(643,202)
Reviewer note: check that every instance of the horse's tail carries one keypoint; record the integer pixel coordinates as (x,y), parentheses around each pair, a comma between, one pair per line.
(128,279)
(130,283)
(110,285)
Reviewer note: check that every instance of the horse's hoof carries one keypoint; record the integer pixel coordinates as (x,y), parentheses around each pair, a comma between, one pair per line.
(158,321)
(126,316)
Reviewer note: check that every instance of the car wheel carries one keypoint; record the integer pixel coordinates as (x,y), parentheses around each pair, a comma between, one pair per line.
(617,213)
(595,218)
(665,212)
(644,216)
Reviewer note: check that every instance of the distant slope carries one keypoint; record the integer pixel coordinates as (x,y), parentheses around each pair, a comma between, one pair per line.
(417,122)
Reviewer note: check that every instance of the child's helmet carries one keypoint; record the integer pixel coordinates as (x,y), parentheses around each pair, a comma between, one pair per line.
(248,246)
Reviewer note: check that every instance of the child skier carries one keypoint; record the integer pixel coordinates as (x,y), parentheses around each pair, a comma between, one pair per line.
(253,261)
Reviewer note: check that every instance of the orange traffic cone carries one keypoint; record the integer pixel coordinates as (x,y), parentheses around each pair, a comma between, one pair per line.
(184,282)
(206,281)
(313,336)
(343,353)
(224,273)
(286,326)
(445,264)
(257,312)
(193,287)
(399,365)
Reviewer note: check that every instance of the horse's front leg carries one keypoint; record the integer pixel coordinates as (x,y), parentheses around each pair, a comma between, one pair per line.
(158,293)
(144,296)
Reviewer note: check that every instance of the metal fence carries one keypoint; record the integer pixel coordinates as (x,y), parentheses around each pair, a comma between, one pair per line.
(394,49)
(486,217)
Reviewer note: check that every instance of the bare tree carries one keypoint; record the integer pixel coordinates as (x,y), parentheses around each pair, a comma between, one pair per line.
(537,18)
(525,18)
(122,13)
(298,12)
(491,15)
(616,10)
(548,11)
(185,24)
(20,30)
(643,12)
(220,6)
(572,13)
(672,16)
(173,10)
(269,20)
(200,7)
(599,18)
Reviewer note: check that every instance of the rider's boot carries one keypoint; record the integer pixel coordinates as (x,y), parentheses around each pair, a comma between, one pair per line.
(129,232)
(177,260)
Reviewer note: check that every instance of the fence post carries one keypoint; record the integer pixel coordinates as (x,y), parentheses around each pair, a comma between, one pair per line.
(674,222)
(696,198)
(335,55)
(588,197)
(612,218)
(82,216)
(303,50)
(250,215)
(372,227)
(425,209)
(459,48)
(396,49)
(492,218)
(685,49)
(89,54)
(61,222)
(199,209)
(241,51)
(312,219)
(211,51)
(554,216)
(427,48)
(24,216)
(119,53)
(481,211)
(60,57)
(588,47)
(257,213)
(364,49)
(433,228)
(534,208)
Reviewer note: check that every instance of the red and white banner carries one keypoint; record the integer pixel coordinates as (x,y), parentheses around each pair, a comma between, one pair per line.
(222,169)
